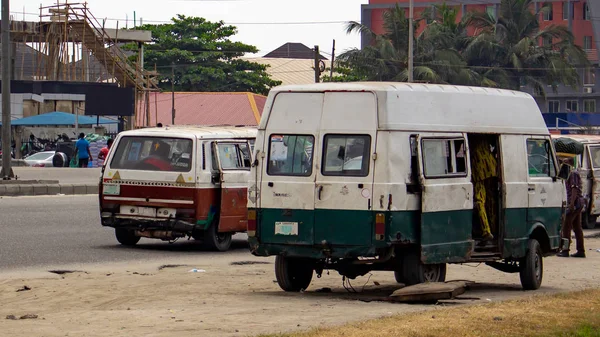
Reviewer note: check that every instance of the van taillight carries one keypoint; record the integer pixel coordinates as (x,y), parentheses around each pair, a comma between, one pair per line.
(380,227)
(251,223)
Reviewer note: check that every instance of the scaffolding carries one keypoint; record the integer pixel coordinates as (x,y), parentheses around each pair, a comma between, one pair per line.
(70,44)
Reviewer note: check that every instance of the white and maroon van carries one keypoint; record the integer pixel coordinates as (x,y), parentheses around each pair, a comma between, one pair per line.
(175,182)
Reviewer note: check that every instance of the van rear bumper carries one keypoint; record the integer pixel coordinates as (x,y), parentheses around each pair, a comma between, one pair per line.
(152,228)
(314,252)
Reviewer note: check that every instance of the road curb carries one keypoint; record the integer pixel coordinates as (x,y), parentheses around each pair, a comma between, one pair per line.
(19,190)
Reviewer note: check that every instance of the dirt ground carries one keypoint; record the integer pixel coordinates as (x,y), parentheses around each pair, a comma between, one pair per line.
(221,299)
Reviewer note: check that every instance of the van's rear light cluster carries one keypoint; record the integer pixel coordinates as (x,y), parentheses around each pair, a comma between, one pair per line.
(251,222)
(380,227)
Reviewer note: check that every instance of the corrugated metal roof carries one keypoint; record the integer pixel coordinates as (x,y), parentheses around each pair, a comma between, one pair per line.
(203,108)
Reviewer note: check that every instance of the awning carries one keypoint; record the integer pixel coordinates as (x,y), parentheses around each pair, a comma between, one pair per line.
(60,119)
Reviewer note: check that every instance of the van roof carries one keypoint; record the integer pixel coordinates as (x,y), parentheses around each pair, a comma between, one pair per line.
(217,132)
(436,107)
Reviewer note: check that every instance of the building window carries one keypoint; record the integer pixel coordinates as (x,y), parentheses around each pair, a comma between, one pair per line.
(548,14)
(587,42)
(589,105)
(572,106)
(589,76)
(568,8)
(553,106)
(586,11)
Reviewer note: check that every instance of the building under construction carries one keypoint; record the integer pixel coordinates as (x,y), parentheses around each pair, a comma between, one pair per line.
(69,45)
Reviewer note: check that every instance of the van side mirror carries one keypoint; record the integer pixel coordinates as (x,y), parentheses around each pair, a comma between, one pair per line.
(564,172)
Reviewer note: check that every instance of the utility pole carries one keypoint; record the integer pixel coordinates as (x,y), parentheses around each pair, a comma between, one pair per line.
(6,173)
(317,66)
(332,61)
(411,37)
(173,94)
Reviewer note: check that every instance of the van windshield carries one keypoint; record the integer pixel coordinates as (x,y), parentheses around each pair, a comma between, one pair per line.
(153,154)
(290,155)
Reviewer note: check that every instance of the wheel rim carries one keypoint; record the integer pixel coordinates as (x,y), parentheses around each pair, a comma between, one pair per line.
(431,273)
(538,267)
(221,237)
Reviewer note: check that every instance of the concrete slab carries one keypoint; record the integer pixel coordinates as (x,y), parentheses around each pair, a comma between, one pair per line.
(40,189)
(92,189)
(66,189)
(12,190)
(25,189)
(79,189)
(426,292)
(53,189)
(2,190)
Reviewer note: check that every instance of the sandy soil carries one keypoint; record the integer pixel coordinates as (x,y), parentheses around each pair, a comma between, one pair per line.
(138,299)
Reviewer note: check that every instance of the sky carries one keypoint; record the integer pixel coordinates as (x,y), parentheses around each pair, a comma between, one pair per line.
(258,21)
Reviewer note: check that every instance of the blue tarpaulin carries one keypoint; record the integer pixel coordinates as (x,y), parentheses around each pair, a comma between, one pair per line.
(60,118)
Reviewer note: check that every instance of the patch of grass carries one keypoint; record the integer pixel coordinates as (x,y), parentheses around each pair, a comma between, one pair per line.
(563,315)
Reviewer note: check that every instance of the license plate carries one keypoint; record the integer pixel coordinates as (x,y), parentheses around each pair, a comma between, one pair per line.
(286,228)
(111,189)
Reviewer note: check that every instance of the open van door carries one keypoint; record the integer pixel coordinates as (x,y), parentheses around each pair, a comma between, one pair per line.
(233,158)
(593,153)
(447,198)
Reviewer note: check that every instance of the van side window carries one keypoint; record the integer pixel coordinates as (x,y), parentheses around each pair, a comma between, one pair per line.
(595,152)
(414,161)
(540,161)
(444,157)
(346,155)
(290,155)
(234,156)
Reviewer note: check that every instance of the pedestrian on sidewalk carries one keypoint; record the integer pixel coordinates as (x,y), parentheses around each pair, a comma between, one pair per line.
(104,152)
(82,151)
(572,221)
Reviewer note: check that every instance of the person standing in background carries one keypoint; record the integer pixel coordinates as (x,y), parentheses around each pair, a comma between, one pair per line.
(104,152)
(82,151)
(572,221)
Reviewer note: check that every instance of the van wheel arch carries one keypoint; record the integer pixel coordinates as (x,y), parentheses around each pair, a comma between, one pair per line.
(540,234)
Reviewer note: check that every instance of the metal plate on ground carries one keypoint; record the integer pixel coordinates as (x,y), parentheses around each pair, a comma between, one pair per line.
(426,292)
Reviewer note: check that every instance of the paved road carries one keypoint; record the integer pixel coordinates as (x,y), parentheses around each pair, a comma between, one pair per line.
(63,175)
(50,231)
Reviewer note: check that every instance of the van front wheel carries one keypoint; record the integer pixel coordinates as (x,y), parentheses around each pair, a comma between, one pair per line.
(532,266)
(293,274)
(126,237)
(215,240)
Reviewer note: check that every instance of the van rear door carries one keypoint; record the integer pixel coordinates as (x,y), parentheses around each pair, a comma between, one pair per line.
(447,198)
(287,183)
(344,179)
(233,160)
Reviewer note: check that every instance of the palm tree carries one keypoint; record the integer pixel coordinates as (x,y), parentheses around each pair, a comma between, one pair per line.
(511,49)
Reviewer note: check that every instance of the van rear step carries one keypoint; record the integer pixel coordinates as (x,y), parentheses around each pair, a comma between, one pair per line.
(484,256)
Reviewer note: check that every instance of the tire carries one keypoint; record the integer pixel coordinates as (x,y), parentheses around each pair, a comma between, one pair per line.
(126,237)
(415,272)
(214,240)
(59,159)
(588,221)
(293,274)
(532,266)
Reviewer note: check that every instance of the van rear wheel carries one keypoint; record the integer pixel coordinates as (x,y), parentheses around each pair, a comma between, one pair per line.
(126,237)
(217,241)
(589,221)
(415,272)
(293,274)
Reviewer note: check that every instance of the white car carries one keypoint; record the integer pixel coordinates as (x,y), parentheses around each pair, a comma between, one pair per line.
(40,159)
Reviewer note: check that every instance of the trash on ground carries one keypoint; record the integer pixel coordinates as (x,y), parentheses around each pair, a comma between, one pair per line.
(197,271)
(323,290)
(25,288)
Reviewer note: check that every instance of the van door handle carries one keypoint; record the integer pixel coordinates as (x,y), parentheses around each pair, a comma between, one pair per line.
(319,190)
(531,188)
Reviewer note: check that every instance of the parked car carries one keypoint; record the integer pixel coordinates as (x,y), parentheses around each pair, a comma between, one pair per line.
(40,159)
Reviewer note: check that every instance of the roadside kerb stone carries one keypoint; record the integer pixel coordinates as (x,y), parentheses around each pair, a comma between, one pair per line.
(25,189)
(12,190)
(66,189)
(93,189)
(79,189)
(53,189)
(41,189)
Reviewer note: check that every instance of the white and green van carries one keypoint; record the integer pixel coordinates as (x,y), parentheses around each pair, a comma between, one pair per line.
(376,176)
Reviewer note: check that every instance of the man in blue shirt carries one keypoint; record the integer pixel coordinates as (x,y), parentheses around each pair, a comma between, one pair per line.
(82,151)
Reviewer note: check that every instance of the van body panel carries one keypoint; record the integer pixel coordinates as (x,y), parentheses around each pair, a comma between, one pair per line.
(593,153)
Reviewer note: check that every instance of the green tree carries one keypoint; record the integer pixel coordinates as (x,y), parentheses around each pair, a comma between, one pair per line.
(528,55)
(203,57)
